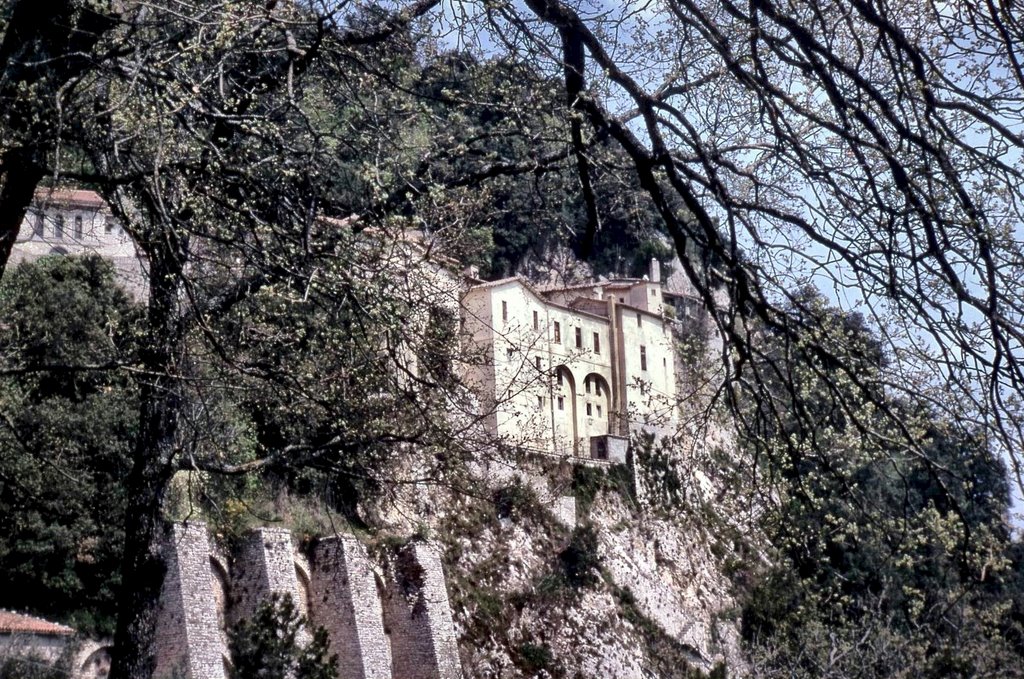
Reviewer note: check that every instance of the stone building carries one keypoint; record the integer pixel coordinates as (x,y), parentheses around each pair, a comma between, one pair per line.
(572,370)
(27,636)
(79,222)
(41,641)
(564,370)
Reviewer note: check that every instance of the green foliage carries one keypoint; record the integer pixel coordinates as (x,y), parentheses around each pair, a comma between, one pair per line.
(267,645)
(660,473)
(886,557)
(514,501)
(68,414)
(496,110)
(580,561)
(588,482)
(31,667)
(533,658)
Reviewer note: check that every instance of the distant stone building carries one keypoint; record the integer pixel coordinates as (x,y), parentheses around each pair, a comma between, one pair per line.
(572,370)
(79,222)
(27,636)
(33,639)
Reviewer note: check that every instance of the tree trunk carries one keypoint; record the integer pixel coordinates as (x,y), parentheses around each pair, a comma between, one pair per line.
(142,569)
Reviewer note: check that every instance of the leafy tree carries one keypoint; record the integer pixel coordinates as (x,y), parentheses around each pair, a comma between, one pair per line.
(873,146)
(885,558)
(67,421)
(269,646)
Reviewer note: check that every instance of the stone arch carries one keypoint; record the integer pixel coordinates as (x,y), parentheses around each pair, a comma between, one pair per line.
(97,664)
(382,595)
(563,408)
(303,590)
(221,595)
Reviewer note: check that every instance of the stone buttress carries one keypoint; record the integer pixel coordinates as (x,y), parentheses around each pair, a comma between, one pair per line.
(266,565)
(345,601)
(418,616)
(398,626)
(188,637)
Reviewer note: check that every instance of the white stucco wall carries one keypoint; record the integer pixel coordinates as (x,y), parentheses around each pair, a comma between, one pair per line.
(552,376)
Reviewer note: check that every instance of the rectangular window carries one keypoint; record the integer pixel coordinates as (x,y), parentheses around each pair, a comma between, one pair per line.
(58,226)
(559,378)
(78,227)
(589,412)
(561,403)
(108,225)
(38,228)
(558,333)
(643,358)
(579,338)
(597,388)
(540,403)
(638,321)
(597,343)
(536,321)
(599,411)
(586,384)
(504,310)
(536,362)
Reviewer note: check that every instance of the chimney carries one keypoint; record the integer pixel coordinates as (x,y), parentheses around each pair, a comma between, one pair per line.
(655,270)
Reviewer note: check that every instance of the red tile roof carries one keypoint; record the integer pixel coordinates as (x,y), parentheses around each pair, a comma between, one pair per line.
(78,197)
(15,623)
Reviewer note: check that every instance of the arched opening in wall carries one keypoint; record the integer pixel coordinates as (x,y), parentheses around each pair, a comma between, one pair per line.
(382,596)
(302,581)
(563,411)
(596,417)
(221,594)
(96,664)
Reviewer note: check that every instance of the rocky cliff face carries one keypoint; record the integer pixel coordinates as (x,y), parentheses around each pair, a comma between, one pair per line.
(637,584)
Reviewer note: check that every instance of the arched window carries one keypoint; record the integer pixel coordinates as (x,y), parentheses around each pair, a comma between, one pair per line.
(597,405)
(78,226)
(58,226)
(566,428)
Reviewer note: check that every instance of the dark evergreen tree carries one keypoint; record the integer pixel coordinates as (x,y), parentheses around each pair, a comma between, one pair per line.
(68,410)
(267,646)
